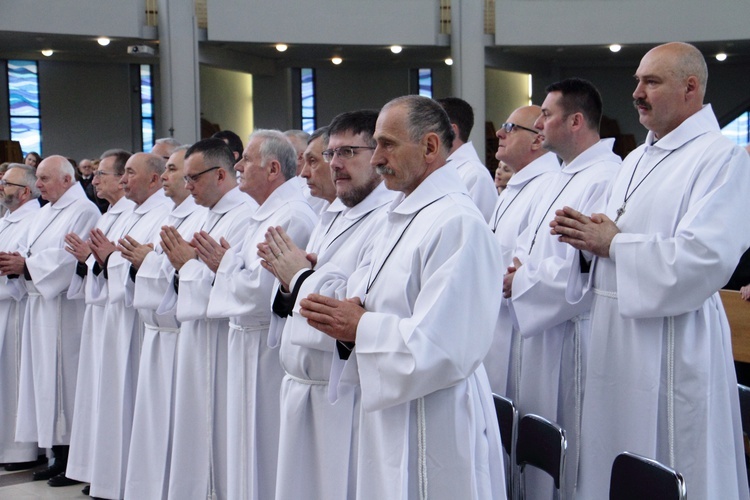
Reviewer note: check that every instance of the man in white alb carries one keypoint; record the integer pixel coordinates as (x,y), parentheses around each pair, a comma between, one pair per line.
(427,426)
(660,380)
(551,367)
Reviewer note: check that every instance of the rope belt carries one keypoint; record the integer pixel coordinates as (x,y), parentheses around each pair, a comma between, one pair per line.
(604,293)
(164,329)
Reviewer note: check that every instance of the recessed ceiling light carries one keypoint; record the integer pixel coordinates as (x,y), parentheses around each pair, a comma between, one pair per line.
(449,61)
(47,52)
(396,49)
(281,47)
(721,56)
(103,41)
(615,47)
(336,60)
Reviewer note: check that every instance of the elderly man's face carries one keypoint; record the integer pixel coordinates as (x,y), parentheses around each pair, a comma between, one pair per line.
(51,181)
(137,179)
(253,171)
(106,181)
(85,168)
(514,147)
(659,95)
(317,172)
(397,159)
(10,194)
(355,177)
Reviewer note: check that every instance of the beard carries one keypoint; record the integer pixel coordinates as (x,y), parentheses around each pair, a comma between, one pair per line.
(358,193)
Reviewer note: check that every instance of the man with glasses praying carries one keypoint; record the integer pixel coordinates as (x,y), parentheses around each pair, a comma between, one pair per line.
(198,468)
(52,321)
(463,156)
(18,195)
(106,181)
(341,244)
(519,147)
(551,359)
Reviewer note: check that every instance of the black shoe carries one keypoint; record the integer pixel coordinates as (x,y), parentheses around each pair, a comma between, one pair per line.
(12,467)
(50,472)
(86,490)
(62,480)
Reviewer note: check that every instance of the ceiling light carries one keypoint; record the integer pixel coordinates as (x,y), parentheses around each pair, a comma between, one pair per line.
(281,47)
(336,60)
(396,49)
(721,56)
(449,61)
(615,47)
(103,41)
(47,52)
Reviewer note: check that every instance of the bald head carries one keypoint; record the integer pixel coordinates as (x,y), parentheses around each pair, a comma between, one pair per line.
(671,86)
(522,144)
(142,176)
(55,175)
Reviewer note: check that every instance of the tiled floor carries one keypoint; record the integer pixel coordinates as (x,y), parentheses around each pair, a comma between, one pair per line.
(19,486)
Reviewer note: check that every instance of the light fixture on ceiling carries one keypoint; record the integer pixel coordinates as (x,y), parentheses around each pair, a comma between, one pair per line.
(103,41)
(336,60)
(281,47)
(396,49)
(47,52)
(615,47)
(449,61)
(721,56)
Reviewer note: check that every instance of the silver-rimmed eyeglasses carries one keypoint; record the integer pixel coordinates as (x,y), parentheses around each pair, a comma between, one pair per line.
(345,152)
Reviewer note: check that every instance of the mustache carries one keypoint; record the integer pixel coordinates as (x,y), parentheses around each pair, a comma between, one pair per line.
(383,170)
(641,103)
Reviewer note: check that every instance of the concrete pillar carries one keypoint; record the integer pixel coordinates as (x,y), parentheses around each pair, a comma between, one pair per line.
(467,51)
(180,85)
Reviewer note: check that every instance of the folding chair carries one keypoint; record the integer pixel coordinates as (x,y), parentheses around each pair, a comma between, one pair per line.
(507,419)
(639,478)
(541,444)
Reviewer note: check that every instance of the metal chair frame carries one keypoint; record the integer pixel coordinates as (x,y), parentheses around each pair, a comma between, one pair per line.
(635,477)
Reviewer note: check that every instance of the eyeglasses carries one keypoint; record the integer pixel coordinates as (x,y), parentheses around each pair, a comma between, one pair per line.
(194,178)
(508,128)
(99,173)
(345,152)
(3,182)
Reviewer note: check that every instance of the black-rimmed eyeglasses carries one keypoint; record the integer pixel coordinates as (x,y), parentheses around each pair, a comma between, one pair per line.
(194,178)
(508,127)
(345,152)
(4,183)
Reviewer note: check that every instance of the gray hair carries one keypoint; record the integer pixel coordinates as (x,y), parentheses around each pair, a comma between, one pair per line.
(29,177)
(276,146)
(300,134)
(425,116)
(121,158)
(156,164)
(169,141)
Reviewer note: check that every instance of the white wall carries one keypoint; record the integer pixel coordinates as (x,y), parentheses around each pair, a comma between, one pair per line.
(570,22)
(113,18)
(227,99)
(406,22)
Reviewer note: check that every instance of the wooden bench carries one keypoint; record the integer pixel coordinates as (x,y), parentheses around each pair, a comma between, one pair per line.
(738,312)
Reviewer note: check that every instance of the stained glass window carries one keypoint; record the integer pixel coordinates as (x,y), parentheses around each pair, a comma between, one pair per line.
(147,108)
(739,129)
(23,97)
(308,99)
(425,82)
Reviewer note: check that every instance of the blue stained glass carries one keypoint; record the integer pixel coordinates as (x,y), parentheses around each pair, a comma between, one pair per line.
(23,105)
(739,129)
(23,86)
(146,91)
(147,131)
(308,99)
(27,132)
(425,82)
